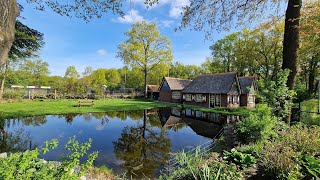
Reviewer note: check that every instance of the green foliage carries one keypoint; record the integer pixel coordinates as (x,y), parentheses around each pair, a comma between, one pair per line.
(310,167)
(277,95)
(258,126)
(12,95)
(305,140)
(278,157)
(145,48)
(195,166)
(27,165)
(243,160)
(277,160)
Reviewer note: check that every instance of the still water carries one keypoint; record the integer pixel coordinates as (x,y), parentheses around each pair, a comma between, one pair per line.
(136,142)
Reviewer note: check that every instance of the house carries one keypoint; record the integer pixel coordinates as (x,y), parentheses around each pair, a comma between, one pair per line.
(170,89)
(153,91)
(249,89)
(213,90)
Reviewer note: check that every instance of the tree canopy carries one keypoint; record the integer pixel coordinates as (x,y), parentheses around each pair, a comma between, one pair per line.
(145,48)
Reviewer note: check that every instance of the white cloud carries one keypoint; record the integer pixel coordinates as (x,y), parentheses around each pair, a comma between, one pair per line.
(177,7)
(131,17)
(102,52)
(166,23)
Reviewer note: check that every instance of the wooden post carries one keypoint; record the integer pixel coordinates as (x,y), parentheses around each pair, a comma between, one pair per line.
(55,94)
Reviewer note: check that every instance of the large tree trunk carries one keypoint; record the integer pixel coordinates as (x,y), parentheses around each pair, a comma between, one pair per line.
(145,83)
(291,40)
(8,13)
(4,75)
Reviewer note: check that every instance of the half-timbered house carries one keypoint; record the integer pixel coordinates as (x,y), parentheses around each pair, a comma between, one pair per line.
(170,89)
(213,90)
(249,90)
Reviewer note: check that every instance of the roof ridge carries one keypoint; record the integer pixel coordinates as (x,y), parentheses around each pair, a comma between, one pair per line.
(177,78)
(225,73)
(247,77)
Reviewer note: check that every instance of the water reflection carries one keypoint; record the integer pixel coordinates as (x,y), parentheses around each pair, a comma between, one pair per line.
(135,142)
(143,148)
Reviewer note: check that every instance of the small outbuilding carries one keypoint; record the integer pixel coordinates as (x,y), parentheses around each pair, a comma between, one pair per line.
(213,90)
(153,91)
(170,89)
(249,89)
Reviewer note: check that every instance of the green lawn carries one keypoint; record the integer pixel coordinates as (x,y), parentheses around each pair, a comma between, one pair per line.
(309,112)
(23,109)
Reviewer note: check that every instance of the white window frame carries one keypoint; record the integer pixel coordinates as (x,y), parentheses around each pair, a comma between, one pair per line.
(176,95)
(229,99)
(188,97)
(251,98)
(198,98)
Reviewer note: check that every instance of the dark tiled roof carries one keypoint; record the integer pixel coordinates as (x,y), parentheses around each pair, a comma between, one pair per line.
(177,83)
(153,88)
(245,82)
(211,83)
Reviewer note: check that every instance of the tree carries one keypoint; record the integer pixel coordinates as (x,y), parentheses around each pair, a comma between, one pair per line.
(27,42)
(71,75)
(309,53)
(222,14)
(36,69)
(142,147)
(145,48)
(98,79)
(113,78)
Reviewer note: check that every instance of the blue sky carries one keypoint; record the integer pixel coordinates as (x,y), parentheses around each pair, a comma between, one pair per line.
(74,42)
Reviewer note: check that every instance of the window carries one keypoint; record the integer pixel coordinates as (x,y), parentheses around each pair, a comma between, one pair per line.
(176,95)
(218,97)
(251,99)
(188,97)
(235,99)
(199,98)
(229,99)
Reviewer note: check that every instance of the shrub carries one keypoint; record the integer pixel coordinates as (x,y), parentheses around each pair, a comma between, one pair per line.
(305,140)
(310,167)
(195,166)
(27,165)
(12,95)
(278,161)
(243,160)
(259,125)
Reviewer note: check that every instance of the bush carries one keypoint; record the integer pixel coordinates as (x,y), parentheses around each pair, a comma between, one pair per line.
(195,166)
(278,161)
(305,140)
(279,157)
(310,167)
(258,126)
(27,165)
(243,160)
(12,95)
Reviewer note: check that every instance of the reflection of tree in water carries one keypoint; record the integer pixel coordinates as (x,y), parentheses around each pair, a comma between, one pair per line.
(13,141)
(143,149)
(34,121)
(68,117)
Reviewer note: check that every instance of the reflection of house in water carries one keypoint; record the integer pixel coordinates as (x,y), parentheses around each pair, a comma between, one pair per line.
(203,128)
(170,118)
(206,124)
(212,117)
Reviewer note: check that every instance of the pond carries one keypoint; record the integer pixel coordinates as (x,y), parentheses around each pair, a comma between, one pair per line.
(136,142)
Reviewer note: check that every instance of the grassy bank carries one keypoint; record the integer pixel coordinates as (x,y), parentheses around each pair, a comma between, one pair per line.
(23,109)
(241,111)
(309,114)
